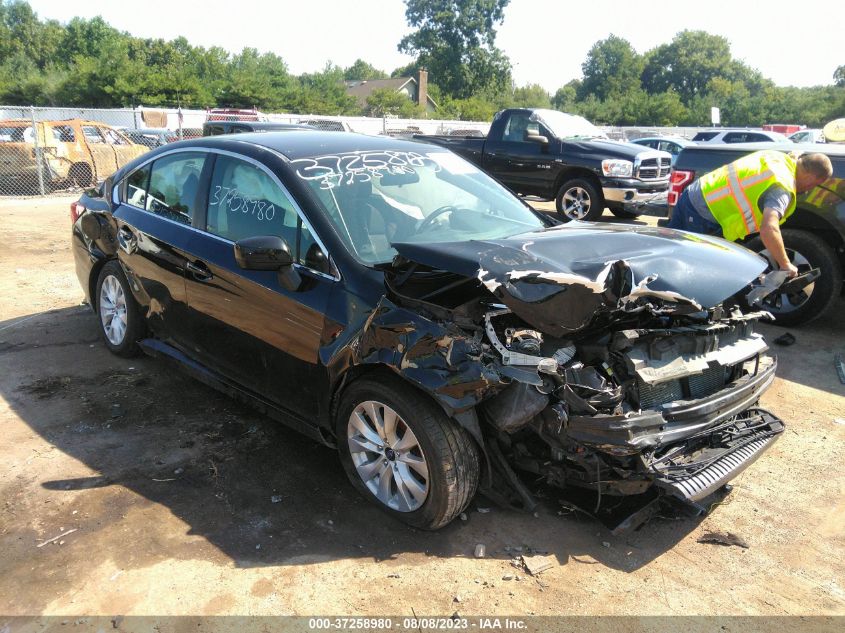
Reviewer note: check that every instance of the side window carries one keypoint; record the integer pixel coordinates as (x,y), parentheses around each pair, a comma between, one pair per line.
(666,146)
(112,137)
(516,128)
(736,137)
(244,201)
(92,134)
(64,134)
(174,184)
(758,138)
(137,185)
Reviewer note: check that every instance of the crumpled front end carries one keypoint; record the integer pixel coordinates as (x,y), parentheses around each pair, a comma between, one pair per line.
(607,377)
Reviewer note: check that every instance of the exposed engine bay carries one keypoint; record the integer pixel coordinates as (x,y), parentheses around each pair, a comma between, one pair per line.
(603,382)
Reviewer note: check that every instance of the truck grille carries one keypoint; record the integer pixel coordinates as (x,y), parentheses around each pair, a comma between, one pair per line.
(654,168)
(701,385)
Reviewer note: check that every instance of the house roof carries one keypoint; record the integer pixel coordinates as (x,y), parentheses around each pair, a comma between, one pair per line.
(361,89)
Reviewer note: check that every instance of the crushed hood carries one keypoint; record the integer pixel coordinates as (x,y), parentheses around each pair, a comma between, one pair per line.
(560,278)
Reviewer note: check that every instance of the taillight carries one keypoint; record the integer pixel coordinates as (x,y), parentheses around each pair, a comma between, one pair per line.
(76,209)
(678,181)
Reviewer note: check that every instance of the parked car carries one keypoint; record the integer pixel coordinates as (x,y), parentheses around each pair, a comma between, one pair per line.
(810,135)
(156,137)
(738,136)
(215,128)
(814,235)
(329,125)
(390,300)
(673,145)
(563,157)
(150,137)
(73,151)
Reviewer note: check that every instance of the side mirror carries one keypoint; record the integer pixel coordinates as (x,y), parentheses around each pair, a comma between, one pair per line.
(536,138)
(268,252)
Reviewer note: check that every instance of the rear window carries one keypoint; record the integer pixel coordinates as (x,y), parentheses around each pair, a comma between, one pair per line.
(704,136)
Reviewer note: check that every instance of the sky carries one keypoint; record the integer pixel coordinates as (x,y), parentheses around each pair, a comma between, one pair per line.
(546,40)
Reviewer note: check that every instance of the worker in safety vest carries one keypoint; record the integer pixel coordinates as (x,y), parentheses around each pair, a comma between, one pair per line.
(753,194)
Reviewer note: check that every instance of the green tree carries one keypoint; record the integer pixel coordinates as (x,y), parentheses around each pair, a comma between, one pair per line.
(361,70)
(566,97)
(386,101)
(531,96)
(612,67)
(687,64)
(455,41)
(839,76)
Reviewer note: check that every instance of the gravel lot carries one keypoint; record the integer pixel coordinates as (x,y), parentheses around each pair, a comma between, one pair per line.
(175,500)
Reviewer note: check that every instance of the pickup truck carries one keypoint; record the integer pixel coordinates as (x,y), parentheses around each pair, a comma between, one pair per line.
(563,157)
(814,235)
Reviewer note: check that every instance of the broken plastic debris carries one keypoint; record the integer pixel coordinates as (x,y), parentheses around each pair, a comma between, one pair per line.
(785,339)
(536,565)
(276,499)
(480,550)
(483,510)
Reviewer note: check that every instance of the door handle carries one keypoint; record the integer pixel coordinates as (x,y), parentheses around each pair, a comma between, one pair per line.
(199,271)
(127,241)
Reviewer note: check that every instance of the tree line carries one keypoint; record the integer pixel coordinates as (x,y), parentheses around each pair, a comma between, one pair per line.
(90,63)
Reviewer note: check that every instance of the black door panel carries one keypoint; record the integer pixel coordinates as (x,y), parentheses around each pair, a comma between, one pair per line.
(152,251)
(249,328)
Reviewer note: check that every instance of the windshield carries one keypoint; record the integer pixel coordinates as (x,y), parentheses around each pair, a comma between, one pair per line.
(565,125)
(380,197)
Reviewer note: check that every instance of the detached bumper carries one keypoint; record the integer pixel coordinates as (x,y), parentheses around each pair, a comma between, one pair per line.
(712,472)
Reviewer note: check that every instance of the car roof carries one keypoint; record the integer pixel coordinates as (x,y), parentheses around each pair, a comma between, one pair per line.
(308,143)
(674,139)
(830,149)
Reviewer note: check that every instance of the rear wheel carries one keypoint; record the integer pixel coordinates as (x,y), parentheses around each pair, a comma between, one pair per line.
(402,452)
(806,251)
(120,318)
(578,199)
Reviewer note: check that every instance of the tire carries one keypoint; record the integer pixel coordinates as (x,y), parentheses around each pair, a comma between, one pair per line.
(121,325)
(805,250)
(624,215)
(80,175)
(444,479)
(578,199)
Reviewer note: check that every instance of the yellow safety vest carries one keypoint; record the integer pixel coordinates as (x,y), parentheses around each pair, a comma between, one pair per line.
(732,192)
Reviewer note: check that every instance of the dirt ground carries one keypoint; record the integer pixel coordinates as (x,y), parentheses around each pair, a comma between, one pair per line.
(175,500)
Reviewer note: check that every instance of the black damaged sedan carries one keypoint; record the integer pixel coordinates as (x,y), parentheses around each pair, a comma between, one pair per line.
(389,299)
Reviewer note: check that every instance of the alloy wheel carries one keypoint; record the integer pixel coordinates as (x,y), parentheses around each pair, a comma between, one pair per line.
(113,310)
(576,203)
(387,456)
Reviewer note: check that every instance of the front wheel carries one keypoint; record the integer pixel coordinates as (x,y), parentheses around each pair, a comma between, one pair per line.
(402,452)
(578,199)
(120,318)
(806,251)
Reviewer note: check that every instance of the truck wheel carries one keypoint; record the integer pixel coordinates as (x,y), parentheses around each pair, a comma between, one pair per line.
(806,251)
(402,453)
(578,199)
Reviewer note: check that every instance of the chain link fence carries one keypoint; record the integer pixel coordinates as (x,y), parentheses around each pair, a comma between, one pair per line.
(61,150)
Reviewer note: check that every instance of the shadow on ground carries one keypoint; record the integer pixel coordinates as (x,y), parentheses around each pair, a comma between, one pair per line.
(261,494)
